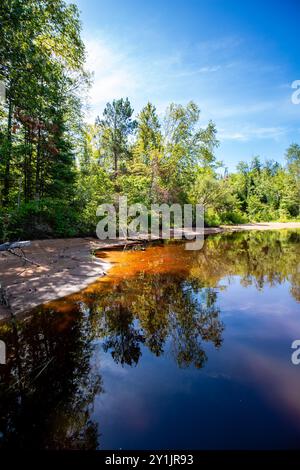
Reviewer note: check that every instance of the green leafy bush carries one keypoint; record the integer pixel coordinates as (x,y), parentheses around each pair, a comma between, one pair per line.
(39,219)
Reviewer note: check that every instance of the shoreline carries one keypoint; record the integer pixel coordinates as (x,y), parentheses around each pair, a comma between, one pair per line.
(67,266)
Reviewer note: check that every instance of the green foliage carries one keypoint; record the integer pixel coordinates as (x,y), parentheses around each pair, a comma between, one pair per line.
(55,170)
(114,129)
(42,57)
(39,219)
(267,191)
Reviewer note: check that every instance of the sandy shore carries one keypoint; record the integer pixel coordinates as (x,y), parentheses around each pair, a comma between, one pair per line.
(67,266)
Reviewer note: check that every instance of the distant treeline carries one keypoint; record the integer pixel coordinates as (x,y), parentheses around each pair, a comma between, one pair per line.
(55,170)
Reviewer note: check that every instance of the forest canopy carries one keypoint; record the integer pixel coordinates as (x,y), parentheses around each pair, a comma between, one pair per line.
(55,169)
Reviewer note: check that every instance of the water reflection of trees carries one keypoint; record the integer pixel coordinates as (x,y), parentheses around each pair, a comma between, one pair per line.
(259,258)
(48,386)
(157,311)
(180,311)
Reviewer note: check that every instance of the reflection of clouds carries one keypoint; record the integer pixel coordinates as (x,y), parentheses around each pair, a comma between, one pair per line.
(259,328)
(253,309)
(218,375)
(278,380)
(268,301)
(124,407)
(107,364)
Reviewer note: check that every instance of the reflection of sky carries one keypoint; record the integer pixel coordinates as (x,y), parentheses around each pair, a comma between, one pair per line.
(246,396)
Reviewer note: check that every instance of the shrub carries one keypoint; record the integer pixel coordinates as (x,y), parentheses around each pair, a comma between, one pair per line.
(39,219)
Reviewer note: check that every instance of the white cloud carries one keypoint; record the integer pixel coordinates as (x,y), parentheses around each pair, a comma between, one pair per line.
(220,44)
(122,73)
(223,111)
(115,75)
(247,133)
(208,69)
(119,72)
(202,70)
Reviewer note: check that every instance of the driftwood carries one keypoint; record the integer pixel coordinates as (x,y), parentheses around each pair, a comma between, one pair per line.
(14,246)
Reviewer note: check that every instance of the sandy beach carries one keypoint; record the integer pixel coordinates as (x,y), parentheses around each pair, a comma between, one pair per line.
(66,266)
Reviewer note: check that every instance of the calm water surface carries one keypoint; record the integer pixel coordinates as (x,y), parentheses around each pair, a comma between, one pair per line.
(173,349)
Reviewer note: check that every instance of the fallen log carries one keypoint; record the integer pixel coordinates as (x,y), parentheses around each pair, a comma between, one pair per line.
(12,246)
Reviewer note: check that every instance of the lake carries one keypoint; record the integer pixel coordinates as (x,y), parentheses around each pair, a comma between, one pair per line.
(172,349)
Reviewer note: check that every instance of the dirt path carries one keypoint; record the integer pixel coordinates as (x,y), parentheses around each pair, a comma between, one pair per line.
(67,266)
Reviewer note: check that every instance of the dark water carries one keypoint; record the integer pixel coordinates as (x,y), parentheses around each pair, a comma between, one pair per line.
(174,349)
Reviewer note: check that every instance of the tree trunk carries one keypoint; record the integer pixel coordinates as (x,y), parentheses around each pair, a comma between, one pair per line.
(6,186)
(116,163)
(37,172)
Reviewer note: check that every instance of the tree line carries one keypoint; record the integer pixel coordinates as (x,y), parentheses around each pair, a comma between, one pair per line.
(55,169)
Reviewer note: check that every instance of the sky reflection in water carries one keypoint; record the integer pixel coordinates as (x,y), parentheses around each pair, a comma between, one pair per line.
(173,349)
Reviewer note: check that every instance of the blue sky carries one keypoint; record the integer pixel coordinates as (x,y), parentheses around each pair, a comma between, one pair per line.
(235,59)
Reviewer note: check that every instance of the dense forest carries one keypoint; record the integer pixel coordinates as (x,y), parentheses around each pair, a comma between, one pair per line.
(55,169)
